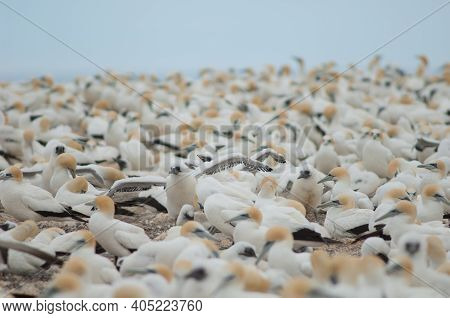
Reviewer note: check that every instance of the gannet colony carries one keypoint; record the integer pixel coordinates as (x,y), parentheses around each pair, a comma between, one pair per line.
(276,182)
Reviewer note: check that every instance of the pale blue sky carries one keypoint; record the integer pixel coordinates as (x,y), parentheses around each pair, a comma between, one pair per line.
(167,35)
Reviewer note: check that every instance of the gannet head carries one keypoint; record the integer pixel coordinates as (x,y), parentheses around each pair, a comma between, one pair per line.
(343,268)
(24,230)
(13,173)
(75,265)
(321,265)
(105,205)
(160,269)
(64,283)
(237,117)
(336,174)
(436,250)
(330,111)
(394,167)
(439,166)
(195,229)
(182,267)
(402,266)
(344,201)
(18,106)
(269,183)
(113,174)
(44,124)
(298,287)
(72,144)
(397,194)
(212,247)
(28,136)
(102,104)
(78,185)
(252,213)
(444,268)
(434,192)
(85,238)
(130,290)
(67,161)
(392,131)
(236,272)
(275,235)
(255,281)
(304,108)
(404,208)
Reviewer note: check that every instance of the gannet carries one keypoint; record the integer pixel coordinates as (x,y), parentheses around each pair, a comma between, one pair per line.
(431,204)
(180,189)
(343,185)
(278,247)
(343,219)
(375,156)
(116,237)
(28,202)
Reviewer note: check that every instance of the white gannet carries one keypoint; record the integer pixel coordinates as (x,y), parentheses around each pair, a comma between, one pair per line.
(25,201)
(116,237)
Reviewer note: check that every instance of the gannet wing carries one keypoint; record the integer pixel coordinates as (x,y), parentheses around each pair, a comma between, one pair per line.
(131,240)
(87,170)
(136,184)
(250,164)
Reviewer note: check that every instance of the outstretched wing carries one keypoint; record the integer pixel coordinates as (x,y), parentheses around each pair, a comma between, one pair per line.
(250,164)
(136,184)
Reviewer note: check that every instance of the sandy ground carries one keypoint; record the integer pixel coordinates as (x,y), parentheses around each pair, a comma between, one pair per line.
(154,224)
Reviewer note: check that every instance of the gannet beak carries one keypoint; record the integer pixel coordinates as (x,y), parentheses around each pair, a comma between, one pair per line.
(205,234)
(7,226)
(237,218)
(204,158)
(5,176)
(266,248)
(430,166)
(388,215)
(329,204)
(441,198)
(73,173)
(327,178)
